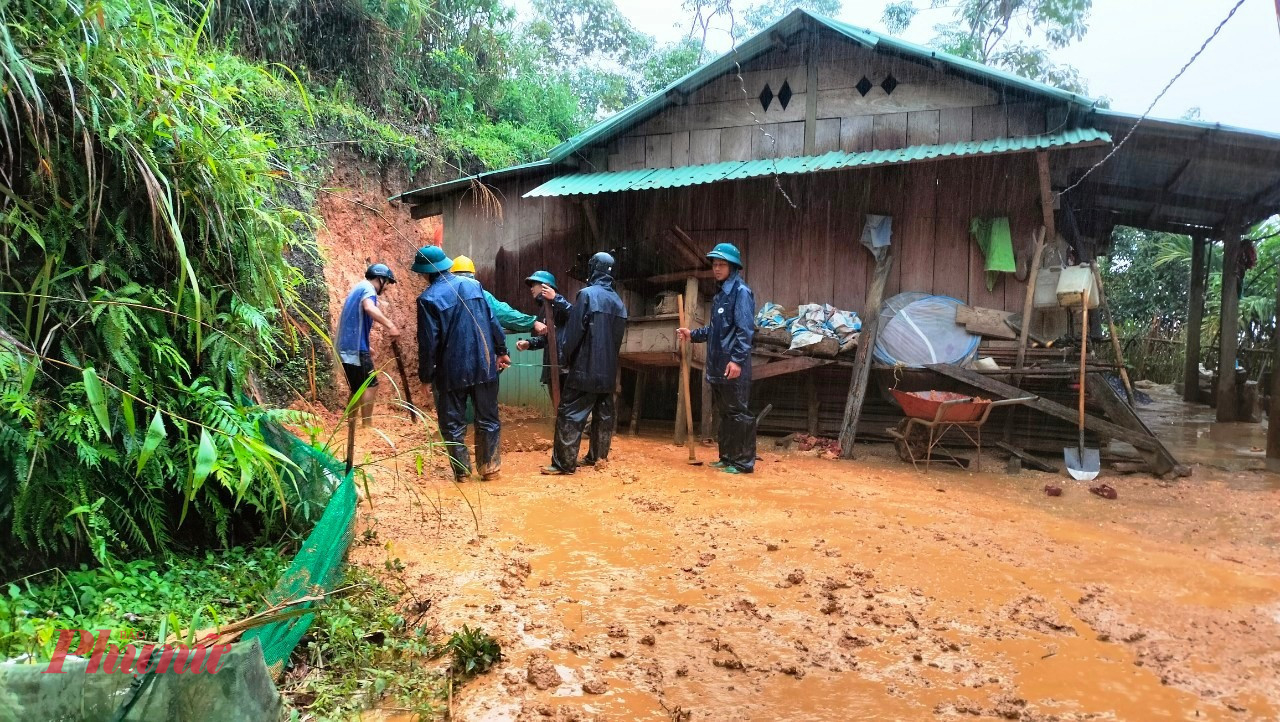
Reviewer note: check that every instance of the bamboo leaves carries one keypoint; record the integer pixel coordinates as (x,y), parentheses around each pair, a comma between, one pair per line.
(155,435)
(97,398)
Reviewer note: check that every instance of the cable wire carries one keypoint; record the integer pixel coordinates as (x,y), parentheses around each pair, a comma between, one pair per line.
(1144,115)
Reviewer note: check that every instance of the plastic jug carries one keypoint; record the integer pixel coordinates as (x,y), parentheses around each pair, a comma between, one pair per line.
(1047,287)
(1072,283)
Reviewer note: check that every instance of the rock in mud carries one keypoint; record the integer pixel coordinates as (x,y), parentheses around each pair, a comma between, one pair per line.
(795,577)
(541,444)
(592,682)
(542,673)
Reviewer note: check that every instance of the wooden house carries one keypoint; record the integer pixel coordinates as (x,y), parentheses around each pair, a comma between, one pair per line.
(784,145)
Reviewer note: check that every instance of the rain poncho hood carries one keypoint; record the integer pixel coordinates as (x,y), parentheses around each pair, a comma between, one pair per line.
(593,333)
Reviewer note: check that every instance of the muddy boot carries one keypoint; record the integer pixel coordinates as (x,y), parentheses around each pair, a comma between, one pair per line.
(555,471)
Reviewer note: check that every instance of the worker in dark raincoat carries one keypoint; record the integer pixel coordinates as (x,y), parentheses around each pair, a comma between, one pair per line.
(542,285)
(592,340)
(461,349)
(728,365)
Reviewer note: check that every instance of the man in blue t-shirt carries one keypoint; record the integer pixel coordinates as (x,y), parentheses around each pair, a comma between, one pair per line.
(359,313)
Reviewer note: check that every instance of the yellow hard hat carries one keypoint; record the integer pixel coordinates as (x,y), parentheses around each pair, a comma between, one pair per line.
(462,264)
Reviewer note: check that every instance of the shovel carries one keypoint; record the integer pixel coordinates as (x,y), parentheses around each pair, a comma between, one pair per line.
(684,387)
(1083,464)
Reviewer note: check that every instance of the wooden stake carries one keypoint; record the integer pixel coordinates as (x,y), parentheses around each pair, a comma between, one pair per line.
(554,345)
(404,377)
(1028,302)
(637,404)
(1111,327)
(684,386)
(862,361)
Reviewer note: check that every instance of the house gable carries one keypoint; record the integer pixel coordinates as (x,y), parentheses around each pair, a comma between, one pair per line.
(816,92)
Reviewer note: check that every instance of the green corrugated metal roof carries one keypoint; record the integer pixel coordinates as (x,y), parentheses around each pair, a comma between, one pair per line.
(431,191)
(650,179)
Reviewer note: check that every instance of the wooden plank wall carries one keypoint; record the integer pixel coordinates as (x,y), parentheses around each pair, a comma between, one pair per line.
(725,120)
(800,235)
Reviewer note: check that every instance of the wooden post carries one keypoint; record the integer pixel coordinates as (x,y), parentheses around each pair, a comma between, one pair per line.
(862,361)
(811,390)
(1273,408)
(637,403)
(1229,321)
(1046,197)
(1195,319)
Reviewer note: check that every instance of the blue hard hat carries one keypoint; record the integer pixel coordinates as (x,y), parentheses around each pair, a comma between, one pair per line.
(542,277)
(380,270)
(431,259)
(726,252)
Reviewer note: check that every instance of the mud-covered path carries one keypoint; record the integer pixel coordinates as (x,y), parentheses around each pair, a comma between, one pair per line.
(829,590)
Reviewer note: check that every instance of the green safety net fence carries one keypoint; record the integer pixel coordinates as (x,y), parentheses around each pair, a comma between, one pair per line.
(242,689)
(320,478)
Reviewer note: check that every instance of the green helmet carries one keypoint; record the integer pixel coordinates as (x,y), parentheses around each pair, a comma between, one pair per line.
(431,259)
(542,277)
(726,252)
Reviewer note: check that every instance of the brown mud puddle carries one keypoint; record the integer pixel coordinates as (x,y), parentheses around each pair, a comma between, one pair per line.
(824,590)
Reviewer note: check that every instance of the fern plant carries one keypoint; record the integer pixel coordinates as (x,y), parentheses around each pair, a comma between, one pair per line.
(142,278)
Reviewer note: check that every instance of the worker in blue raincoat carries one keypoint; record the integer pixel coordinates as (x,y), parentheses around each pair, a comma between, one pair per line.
(461,349)
(510,319)
(592,340)
(728,366)
(542,285)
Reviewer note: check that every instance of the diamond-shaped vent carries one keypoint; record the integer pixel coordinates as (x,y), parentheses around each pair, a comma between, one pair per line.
(863,86)
(766,97)
(784,94)
(889,84)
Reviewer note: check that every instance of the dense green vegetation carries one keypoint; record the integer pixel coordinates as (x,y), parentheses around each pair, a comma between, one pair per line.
(141,597)
(1015,35)
(144,278)
(1148,284)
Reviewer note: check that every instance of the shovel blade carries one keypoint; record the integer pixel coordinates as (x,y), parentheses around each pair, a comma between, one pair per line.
(1082,464)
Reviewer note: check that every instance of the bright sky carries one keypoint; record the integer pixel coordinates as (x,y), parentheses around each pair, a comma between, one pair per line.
(1132,49)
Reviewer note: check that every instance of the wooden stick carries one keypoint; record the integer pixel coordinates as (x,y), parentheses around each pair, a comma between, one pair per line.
(553,346)
(1028,307)
(684,385)
(862,361)
(1028,302)
(351,438)
(404,377)
(1111,326)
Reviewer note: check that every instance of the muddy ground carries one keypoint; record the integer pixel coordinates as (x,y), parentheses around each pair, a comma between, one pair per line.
(830,590)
